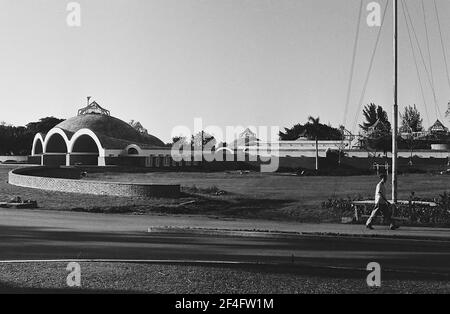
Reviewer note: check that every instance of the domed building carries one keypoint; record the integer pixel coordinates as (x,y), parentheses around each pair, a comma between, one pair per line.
(94,137)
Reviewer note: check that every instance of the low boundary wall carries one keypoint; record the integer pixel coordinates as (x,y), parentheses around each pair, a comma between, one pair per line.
(14,158)
(24,177)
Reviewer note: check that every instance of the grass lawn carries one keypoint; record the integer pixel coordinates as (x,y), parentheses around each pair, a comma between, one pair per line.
(304,194)
(307,190)
(253,195)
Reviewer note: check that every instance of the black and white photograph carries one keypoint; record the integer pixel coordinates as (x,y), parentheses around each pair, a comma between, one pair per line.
(217,155)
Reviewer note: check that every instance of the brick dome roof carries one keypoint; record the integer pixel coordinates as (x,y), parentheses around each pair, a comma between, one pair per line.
(109,128)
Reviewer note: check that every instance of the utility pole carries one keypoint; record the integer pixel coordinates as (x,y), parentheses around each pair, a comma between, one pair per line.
(395,109)
(317,154)
(203,134)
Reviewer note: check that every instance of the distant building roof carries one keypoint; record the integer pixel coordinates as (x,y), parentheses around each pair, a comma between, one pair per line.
(438,127)
(247,134)
(247,137)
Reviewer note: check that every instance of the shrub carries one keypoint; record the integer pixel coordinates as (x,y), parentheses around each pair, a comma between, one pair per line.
(208,190)
(415,214)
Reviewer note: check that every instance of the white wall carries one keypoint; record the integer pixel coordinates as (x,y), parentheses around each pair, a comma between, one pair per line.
(16,158)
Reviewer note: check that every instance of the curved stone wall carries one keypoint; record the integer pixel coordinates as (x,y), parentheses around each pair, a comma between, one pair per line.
(27,177)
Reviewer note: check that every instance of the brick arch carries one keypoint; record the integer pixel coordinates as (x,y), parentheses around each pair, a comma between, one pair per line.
(85,141)
(56,141)
(38,145)
(133,149)
(84,144)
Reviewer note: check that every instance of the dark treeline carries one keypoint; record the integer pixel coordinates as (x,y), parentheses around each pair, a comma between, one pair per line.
(311,130)
(17,140)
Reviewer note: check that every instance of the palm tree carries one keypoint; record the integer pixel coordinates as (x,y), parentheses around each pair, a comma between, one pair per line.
(315,130)
(372,113)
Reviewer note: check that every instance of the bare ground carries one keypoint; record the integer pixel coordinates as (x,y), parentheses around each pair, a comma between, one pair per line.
(153,278)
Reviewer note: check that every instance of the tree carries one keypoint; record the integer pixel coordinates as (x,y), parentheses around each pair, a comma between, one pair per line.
(17,140)
(411,120)
(179,139)
(293,133)
(312,130)
(202,139)
(372,113)
(313,127)
(43,125)
(195,140)
(322,131)
(377,128)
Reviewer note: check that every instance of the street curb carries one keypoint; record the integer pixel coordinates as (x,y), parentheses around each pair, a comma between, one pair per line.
(256,233)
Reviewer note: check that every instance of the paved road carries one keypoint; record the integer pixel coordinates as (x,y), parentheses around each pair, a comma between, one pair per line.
(91,222)
(28,234)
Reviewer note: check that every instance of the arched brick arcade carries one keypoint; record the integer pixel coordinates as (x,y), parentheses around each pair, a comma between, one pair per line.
(95,138)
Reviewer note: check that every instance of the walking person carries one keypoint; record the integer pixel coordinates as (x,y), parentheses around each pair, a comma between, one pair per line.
(381,205)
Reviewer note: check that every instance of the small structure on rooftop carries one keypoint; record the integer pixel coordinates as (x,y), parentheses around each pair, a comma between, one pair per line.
(93,108)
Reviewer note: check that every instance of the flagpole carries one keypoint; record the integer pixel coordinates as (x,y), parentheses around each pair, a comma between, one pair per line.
(395,109)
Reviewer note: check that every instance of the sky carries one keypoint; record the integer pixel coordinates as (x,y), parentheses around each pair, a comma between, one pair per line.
(229,62)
